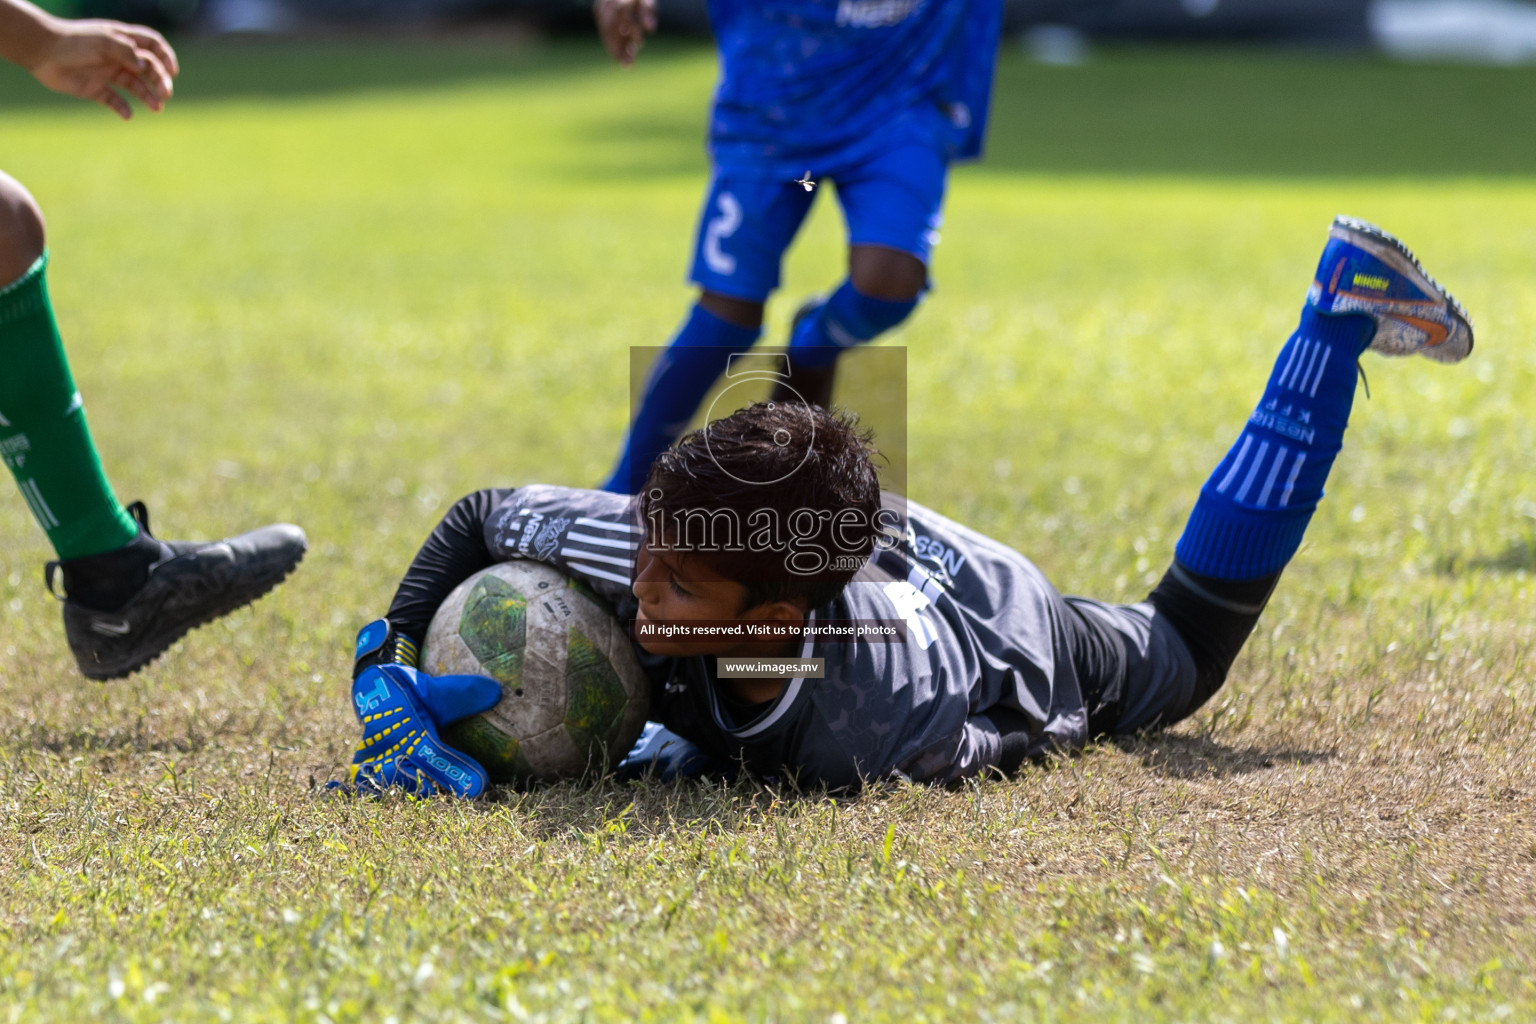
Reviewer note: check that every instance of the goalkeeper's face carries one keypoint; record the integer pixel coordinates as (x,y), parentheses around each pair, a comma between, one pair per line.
(749,522)
(687,608)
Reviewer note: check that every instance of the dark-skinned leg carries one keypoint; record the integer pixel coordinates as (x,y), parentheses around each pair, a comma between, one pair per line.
(737,312)
(892,204)
(882,288)
(21,230)
(886,274)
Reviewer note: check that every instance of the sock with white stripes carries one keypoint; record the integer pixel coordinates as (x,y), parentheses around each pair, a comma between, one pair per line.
(1253,510)
(44,439)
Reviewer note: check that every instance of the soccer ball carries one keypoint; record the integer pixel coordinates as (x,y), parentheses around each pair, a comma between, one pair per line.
(573,695)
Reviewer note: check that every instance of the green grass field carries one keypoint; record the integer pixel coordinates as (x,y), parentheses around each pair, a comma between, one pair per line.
(343,285)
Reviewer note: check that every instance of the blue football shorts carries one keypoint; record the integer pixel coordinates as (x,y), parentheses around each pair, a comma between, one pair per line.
(894,200)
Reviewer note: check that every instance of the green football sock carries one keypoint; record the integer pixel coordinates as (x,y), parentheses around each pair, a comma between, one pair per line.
(44,439)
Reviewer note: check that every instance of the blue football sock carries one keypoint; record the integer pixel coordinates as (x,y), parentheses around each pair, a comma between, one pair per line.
(677,384)
(1253,510)
(846,319)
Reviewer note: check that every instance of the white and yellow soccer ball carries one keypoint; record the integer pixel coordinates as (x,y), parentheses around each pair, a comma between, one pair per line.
(574,697)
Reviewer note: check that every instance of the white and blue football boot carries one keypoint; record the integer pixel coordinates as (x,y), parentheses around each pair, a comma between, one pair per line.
(1365,270)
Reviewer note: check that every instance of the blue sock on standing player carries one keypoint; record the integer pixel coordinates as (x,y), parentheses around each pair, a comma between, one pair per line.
(1253,511)
(848,318)
(678,383)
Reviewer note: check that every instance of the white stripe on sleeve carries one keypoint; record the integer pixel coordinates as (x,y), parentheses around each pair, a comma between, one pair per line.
(601,542)
(592,556)
(602,574)
(604,524)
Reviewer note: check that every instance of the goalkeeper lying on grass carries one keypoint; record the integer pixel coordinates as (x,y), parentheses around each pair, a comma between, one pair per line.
(994,666)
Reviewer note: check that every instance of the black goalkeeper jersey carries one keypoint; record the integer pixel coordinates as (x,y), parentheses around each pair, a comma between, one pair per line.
(984,630)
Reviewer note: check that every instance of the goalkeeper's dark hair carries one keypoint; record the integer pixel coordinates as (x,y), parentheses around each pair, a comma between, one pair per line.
(768,463)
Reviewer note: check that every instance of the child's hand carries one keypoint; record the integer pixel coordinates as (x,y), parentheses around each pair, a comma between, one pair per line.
(87,58)
(623,25)
(400,710)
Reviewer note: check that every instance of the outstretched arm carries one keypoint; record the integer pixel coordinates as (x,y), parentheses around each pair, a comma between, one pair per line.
(91,59)
(623,26)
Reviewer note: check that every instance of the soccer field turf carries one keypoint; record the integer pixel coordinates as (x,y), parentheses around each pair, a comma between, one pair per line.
(344,284)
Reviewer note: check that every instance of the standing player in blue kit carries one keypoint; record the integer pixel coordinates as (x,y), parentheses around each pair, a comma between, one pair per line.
(877,96)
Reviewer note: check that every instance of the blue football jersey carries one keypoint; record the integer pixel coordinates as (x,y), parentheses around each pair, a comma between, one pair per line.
(821,84)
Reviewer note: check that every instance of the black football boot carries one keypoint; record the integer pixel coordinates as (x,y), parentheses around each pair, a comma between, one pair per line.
(123,608)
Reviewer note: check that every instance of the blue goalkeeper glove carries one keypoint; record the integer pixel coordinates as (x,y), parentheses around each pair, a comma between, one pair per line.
(401,710)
